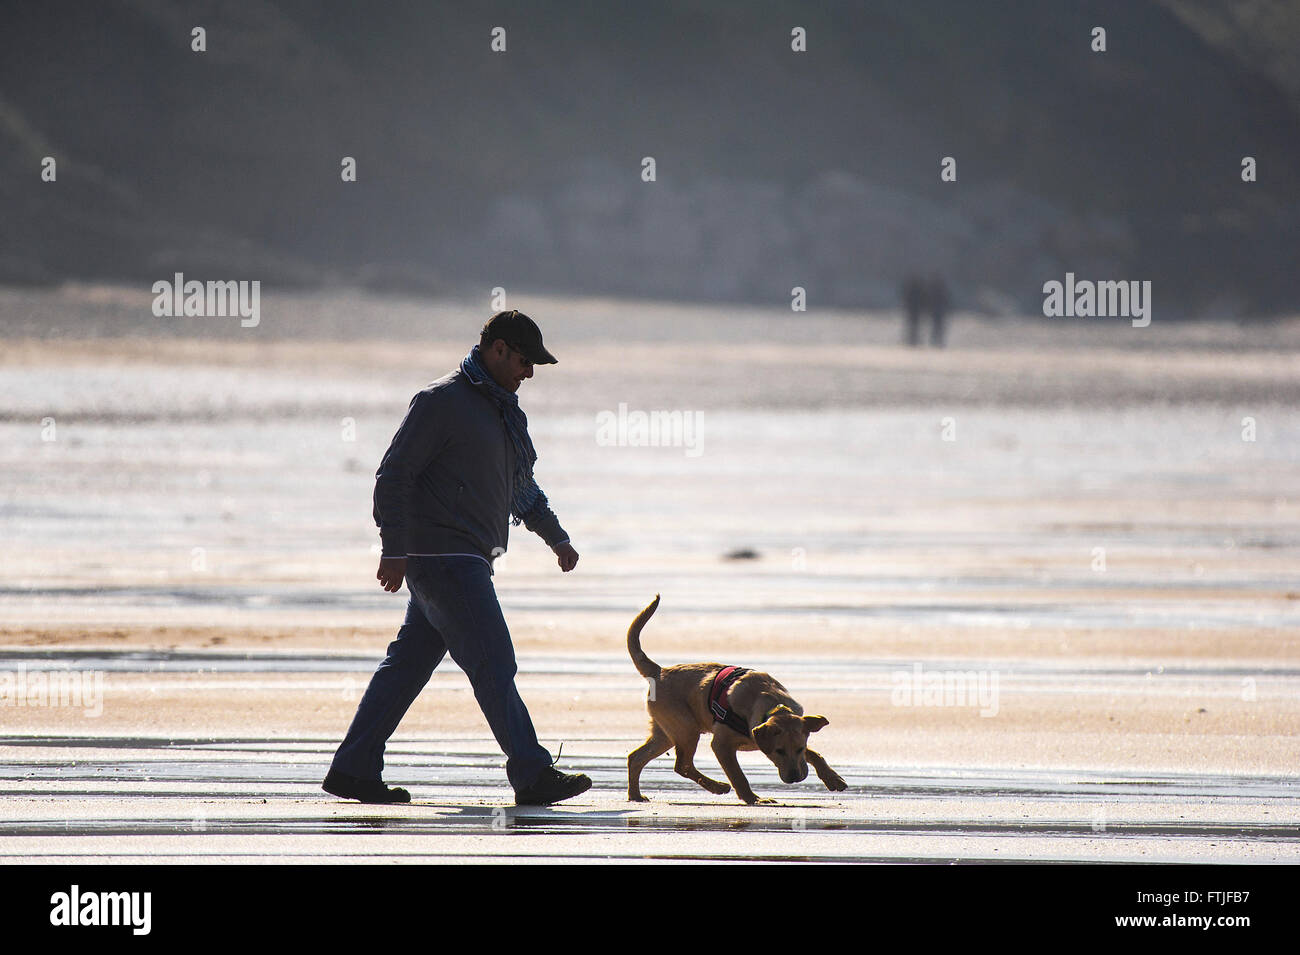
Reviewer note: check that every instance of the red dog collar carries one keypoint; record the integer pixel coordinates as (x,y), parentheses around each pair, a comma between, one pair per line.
(722,711)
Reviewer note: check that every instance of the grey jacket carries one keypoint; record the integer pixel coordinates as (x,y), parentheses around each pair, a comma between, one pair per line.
(445,484)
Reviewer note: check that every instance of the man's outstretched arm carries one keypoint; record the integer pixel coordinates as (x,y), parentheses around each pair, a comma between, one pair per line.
(541,520)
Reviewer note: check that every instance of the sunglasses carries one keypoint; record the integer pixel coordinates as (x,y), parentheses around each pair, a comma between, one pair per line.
(528,363)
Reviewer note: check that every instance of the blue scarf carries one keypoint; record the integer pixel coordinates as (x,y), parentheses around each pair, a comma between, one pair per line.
(527,495)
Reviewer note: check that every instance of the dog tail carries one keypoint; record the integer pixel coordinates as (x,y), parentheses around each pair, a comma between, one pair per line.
(644,665)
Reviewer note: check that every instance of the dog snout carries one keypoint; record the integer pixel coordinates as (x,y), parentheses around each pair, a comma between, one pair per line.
(795,774)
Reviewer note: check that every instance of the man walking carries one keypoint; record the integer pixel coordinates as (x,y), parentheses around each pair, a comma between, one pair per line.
(459,466)
(914,302)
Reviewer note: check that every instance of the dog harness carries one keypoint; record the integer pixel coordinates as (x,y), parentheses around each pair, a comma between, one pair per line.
(722,712)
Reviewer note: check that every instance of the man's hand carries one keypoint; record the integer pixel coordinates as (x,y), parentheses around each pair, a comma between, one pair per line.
(392,570)
(568,556)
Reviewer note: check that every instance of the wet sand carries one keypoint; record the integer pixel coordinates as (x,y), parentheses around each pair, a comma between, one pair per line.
(253,799)
(1088,531)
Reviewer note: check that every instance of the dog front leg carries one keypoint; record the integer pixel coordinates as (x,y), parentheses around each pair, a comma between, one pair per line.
(726,753)
(827,775)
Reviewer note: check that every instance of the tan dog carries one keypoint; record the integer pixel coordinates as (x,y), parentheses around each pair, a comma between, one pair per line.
(680,711)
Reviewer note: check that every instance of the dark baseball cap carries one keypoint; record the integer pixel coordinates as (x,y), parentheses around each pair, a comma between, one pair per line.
(519,332)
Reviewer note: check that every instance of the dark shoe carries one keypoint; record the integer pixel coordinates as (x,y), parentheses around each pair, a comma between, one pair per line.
(363,790)
(552,786)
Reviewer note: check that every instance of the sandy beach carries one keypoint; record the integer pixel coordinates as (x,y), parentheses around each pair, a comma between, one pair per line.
(1042,583)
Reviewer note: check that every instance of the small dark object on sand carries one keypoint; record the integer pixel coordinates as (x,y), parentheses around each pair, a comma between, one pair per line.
(744,553)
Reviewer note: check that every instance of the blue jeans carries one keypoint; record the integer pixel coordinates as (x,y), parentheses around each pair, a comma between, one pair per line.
(453,608)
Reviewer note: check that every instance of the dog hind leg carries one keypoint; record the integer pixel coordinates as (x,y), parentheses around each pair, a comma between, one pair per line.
(686,766)
(656,745)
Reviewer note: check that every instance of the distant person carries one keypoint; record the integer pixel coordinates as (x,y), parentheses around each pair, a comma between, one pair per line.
(939,300)
(459,466)
(914,304)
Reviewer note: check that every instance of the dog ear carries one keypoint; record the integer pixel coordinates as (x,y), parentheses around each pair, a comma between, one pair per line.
(813,723)
(763,733)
